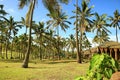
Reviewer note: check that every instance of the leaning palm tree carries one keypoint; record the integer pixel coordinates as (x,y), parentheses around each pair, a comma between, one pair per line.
(29,18)
(115,22)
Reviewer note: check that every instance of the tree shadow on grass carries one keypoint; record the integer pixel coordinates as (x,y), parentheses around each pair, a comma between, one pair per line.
(60,61)
(40,68)
(11,60)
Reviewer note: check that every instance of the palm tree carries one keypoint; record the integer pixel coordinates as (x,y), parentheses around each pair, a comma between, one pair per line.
(2,36)
(41,34)
(29,18)
(86,42)
(71,42)
(115,22)
(77,40)
(2,12)
(83,24)
(12,27)
(2,26)
(99,39)
(57,21)
(100,26)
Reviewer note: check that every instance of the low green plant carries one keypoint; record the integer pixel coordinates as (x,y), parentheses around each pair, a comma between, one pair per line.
(102,66)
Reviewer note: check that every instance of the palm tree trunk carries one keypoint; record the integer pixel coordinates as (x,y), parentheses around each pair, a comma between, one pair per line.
(58,43)
(26,60)
(11,50)
(81,35)
(77,41)
(1,51)
(40,52)
(116,35)
(6,47)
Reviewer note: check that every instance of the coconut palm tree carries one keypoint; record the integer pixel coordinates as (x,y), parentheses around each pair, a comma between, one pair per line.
(115,22)
(100,26)
(2,36)
(83,24)
(2,26)
(77,40)
(59,20)
(12,27)
(99,39)
(41,34)
(2,11)
(71,43)
(86,42)
(29,18)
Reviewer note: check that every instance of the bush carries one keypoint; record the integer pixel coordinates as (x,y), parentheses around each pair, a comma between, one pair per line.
(102,66)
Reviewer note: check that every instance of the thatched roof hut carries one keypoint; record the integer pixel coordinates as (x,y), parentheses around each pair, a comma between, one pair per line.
(110,44)
(112,48)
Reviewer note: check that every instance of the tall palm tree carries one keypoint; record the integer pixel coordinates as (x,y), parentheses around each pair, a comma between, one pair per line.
(83,24)
(29,18)
(77,40)
(115,22)
(59,20)
(2,26)
(2,36)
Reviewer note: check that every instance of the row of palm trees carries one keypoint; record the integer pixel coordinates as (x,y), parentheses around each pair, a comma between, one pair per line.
(86,21)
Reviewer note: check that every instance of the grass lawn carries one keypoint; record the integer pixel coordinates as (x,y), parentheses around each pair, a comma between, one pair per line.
(45,70)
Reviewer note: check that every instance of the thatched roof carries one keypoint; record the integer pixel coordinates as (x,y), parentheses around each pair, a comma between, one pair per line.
(110,44)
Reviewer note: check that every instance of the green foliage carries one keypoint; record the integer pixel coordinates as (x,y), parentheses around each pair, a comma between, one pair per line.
(101,66)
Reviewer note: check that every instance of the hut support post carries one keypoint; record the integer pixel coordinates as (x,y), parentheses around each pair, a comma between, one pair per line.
(116,56)
(110,52)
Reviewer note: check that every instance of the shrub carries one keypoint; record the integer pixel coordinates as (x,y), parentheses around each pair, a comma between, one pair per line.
(102,66)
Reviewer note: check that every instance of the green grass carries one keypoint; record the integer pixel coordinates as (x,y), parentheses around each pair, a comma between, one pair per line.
(45,70)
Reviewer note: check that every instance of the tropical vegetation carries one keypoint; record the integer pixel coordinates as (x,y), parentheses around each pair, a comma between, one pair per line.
(42,39)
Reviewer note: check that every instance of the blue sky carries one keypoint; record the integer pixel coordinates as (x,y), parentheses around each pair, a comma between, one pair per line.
(100,6)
